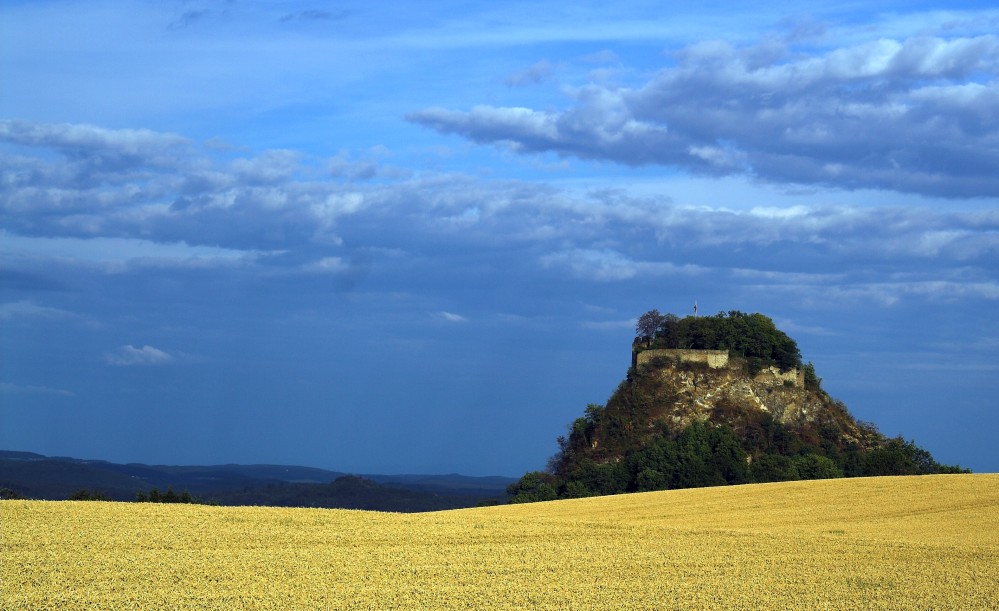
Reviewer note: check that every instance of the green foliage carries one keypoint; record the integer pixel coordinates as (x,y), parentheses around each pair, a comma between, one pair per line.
(816,466)
(753,336)
(812,381)
(592,478)
(701,455)
(651,479)
(773,468)
(155,496)
(648,326)
(574,489)
(9,494)
(534,486)
(86,495)
(898,457)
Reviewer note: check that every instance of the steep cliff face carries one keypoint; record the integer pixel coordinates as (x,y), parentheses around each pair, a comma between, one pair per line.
(666,396)
(732,396)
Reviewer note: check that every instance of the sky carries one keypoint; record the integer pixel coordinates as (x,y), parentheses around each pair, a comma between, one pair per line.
(401,237)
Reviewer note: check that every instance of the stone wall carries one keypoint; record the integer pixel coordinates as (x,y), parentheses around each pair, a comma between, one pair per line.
(795,376)
(716,359)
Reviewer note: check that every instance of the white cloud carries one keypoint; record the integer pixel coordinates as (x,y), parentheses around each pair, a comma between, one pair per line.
(328,265)
(29,309)
(121,254)
(96,146)
(783,114)
(130,355)
(884,293)
(451,317)
(608,325)
(270,167)
(9,388)
(609,265)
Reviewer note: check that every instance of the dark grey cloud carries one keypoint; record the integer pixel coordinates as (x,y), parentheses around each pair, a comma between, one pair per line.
(913,115)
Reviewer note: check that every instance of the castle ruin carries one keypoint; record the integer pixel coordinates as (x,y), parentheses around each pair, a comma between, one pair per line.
(715,359)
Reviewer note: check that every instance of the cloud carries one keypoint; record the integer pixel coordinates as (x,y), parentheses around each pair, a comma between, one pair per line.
(114,255)
(98,147)
(342,165)
(855,290)
(84,181)
(130,355)
(7,388)
(911,115)
(532,75)
(608,325)
(451,317)
(29,309)
(609,265)
(270,167)
(188,18)
(282,199)
(283,216)
(315,15)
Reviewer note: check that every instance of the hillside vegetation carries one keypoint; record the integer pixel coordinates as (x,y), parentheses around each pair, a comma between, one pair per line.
(873,543)
(677,424)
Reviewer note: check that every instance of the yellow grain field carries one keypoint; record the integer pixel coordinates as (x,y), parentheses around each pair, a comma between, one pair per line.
(881,543)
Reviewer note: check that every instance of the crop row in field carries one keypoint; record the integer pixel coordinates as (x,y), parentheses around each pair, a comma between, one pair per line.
(917,542)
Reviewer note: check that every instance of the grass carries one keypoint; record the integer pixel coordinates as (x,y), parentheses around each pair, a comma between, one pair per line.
(875,543)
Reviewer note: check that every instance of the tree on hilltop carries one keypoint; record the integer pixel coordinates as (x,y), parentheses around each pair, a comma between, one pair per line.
(648,326)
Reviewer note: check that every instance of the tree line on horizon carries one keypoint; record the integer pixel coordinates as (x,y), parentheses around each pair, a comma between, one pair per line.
(153,496)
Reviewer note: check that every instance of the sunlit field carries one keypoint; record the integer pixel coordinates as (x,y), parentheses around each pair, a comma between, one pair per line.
(878,543)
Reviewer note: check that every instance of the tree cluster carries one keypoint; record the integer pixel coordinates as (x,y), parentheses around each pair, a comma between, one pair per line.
(754,337)
(155,496)
(9,494)
(715,455)
(88,495)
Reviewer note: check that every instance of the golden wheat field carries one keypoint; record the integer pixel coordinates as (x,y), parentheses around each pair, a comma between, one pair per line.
(880,543)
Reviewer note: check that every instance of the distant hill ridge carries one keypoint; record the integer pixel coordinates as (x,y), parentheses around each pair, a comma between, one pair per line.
(716,400)
(36,476)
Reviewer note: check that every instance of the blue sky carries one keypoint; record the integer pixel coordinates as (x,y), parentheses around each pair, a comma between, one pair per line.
(414,237)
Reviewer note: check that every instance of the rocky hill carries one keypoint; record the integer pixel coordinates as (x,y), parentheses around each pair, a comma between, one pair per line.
(667,394)
(713,401)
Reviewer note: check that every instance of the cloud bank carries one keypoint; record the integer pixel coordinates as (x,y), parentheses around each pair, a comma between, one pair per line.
(914,115)
(156,200)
